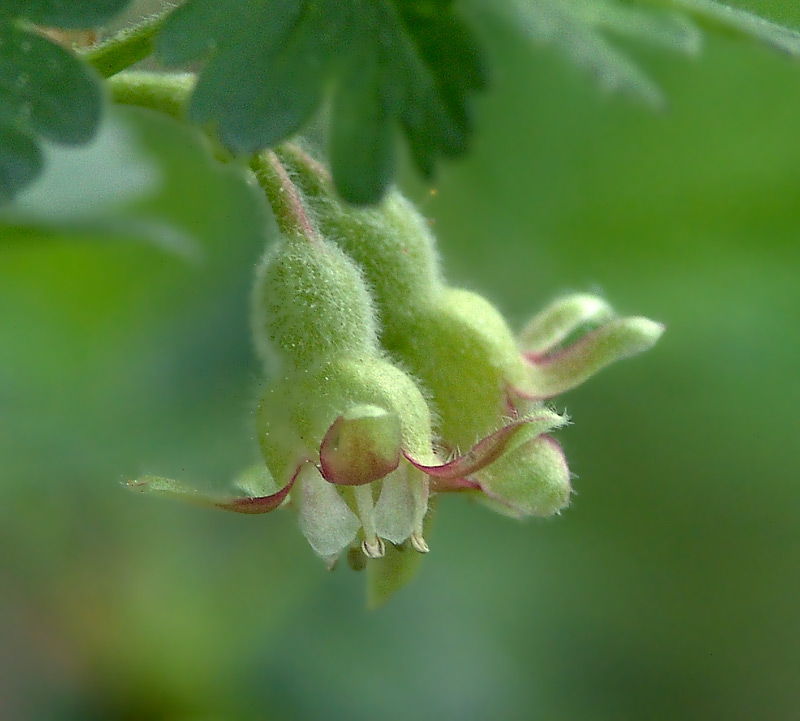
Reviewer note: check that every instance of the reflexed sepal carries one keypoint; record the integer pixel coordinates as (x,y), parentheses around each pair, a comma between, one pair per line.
(561,319)
(491,448)
(361,446)
(531,480)
(565,368)
(157,485)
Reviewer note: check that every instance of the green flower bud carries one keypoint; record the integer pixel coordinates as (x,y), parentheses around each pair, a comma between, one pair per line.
(311,302)
(391,242)
(531,480)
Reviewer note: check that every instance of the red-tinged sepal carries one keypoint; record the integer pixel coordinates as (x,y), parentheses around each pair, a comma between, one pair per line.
(552,373)
(489,449)
(159,486)
(361,446)
(562,319)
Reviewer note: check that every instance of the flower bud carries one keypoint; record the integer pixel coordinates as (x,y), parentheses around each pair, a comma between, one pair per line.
(532,480)
(311,302)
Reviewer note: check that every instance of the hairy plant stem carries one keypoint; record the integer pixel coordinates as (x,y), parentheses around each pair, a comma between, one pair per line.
(282,194)
(127,47)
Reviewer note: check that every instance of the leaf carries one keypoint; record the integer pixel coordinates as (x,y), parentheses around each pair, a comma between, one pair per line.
(579,28)
(45,92)
(716,16)
(144,176)
(386,63)
(63,13)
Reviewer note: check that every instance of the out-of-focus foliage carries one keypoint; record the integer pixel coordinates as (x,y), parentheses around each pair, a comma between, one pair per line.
(668,590)
(46,93)
(393,63)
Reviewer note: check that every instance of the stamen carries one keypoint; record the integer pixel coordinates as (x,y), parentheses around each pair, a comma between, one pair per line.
(421,493)
(418,543)
(372,546)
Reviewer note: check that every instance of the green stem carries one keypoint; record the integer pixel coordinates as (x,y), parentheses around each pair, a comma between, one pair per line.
(167,93)
(127,47)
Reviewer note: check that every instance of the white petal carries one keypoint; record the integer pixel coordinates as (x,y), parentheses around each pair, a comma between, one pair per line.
(325,519)
(396,506)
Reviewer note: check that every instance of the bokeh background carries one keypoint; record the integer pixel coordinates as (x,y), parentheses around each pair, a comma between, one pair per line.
(669,590)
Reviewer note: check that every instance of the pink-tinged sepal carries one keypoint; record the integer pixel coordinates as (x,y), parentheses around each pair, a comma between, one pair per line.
(361,446)
(159,486)
(453,474)
(563,318)
(555,371)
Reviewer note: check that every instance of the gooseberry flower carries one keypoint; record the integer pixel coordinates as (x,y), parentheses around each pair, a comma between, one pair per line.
(346,435)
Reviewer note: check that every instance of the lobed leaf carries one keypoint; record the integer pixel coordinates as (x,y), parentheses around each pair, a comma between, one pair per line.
(411,64)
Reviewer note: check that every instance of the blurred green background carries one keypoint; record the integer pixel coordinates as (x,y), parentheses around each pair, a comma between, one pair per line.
(669,590)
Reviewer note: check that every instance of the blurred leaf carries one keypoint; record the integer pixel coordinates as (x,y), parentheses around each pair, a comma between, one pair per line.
(45,93)
(412,62)
(720,17)
(71,14)
(130,182)
(389,574)
(578,28)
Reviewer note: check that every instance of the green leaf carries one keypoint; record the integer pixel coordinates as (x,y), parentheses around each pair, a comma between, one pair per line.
(386,63)
(63,13)
(719,17)
(579,29)
(45,92)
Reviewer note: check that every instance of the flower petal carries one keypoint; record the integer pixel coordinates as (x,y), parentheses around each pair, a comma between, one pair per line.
(361,446)
(396,508)
(245,504)
(561,319)
(491,448)
(551,374)
(325,518)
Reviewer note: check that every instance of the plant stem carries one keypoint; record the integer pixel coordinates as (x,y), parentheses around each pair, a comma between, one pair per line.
(282,195)
(127,47)
(167,93)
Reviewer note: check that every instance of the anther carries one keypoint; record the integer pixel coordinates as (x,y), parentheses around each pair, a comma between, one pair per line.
(373,548)
(418,543)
